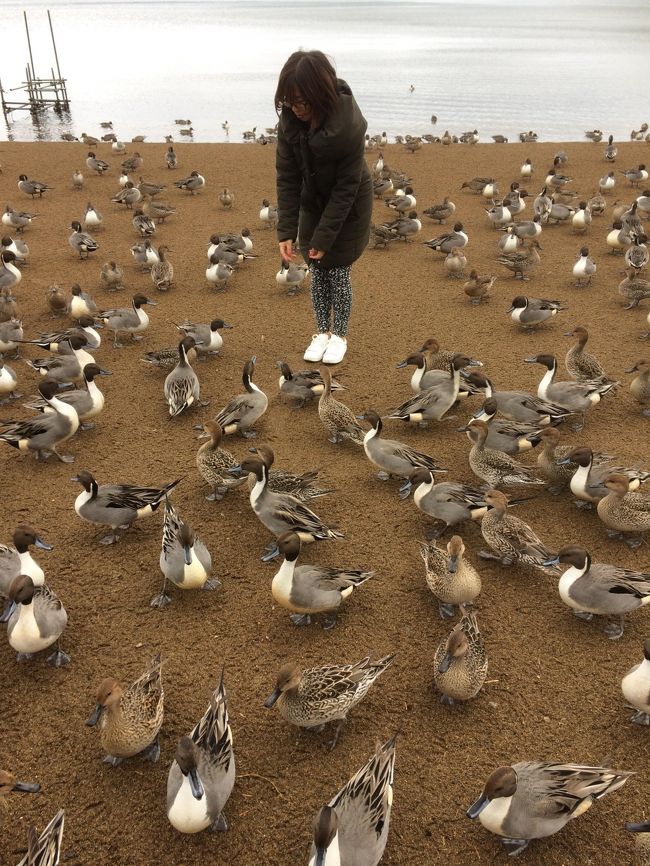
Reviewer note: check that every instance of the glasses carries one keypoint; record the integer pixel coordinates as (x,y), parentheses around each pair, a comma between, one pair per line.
(295,103)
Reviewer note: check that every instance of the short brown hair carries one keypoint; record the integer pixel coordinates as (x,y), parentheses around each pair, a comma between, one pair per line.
(311,76)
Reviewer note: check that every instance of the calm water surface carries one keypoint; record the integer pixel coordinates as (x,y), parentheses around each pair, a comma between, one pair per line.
(501,66)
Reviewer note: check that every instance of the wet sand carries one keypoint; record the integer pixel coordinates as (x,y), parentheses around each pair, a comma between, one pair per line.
(553,689)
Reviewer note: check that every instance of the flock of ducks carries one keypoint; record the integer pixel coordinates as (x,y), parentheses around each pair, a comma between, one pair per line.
(519,803)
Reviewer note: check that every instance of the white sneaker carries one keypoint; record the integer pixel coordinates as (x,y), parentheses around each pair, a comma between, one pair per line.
(335,351)
(317,347)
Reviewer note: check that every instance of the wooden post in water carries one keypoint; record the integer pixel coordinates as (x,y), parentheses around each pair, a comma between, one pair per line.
(29,44)
(60,79)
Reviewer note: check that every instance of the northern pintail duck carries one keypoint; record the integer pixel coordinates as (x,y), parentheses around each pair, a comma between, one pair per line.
(314,697)
(35,188)
(584,268)
(92,218)
(46,849)
(576,397)
(403,203)
(455,263)
(635,176)
(581,219)
(130,718)
(382,186)
(218,273)
(598,588)
(133,163)
(449,502)
(494,467)
(36,622)
(77,180)
(128,195)
(150,189)
(131,320)
(162,272)
(304,385)
(405,226)
(394,458)
(535,799)
(269,214)
(300,485)
(213,463)
(499,214)
(157,210)
(637,256)
(523,262)
(531,312)
(640,385)
(499,139)
(291,275)
(490,191)
(635,686)
(185,561)
(597,204)
(81,242)
(580,365)
(88,403)
(65,367)
(58,341)
(353,827)
(11,334)
(202,775)
(435,359)
(111,275)
(611,151)
(510,538)
(17,560)
(477,288)
(96,164)
(191,184)
(542,205)
(607,182)
(445,243)
(143,224)
(282,512)
(436,401)
(171,159)
(551,461)
(206,336)
(508,436)
(518,405)
(167,357)
(182,388)
(305,590)
(81,303)
(526,169)
(451,578)
(594,135)
(618,239)
(477,184)
(10,276)
(643,202)
(10,784)
(625,513)
(337,418)
(8,306)
(145,255)
(515,199)
(44,434)
(8,383)
(239,415)
(116,505)
(16,246)
(17,219)
(460,662)
(440,212)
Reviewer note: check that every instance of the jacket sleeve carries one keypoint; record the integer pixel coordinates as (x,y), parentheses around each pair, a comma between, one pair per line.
(289,186)
(341,198)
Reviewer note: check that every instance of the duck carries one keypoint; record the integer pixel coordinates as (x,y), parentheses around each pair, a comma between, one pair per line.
(182,388)
(584,268)
(185,561)
(315,697)
(597,204)
(116,505)
(460,662)
(171,159)
(580,365)
(130,718)
(581,219)
(44,434)
(282,512)
(284,481)
(394,458)
(337,418)
(518,405)
(521,263)
(477,184)
(88,403)
(167,357)
(239,415)
(455,263)
(111,275)
(354,827)
(526,169)
(640,385)
(208,340)
(46,849)
(611,151)
(535,799)
(18,220)
(202,774)
(642,838)
(68,363)
(637,256)
(133,163)
(16,246)
(405,226)
(494,467)
(576,397)
(510,538)
(403,203)
(132,320)
(618,239)
(477,288)
(96,164)
(291,275)
(81,242)
(191,184)
(507,436)
(162,272)
(624,512)
(11,334)
(10,276)
(213,463)
(542,205)
(499,214)
(598,588)
(304,385)
(490,191)
(305,590)
(156,210)
(532,312)
(36,622)
(8,306)
(128,195)
(635,176)
(445,243)
(81,303)
(269,214)
(551,460)
(451,578)
(635,686)
(441,212)
(17,560)
(147,188)
(218,273)
(92,218)
(594,135)
(145,255)
(449,502)
(143,224)
(8,383)
(436,401)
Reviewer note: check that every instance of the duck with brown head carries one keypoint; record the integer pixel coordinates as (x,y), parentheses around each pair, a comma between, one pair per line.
(239,415)
(460,662)
(37,621)
(510,538)
(43,435)
(626,514)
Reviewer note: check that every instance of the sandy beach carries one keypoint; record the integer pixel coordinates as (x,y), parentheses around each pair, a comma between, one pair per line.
(553,689)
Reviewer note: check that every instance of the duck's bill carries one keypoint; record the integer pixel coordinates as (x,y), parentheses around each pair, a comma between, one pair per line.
(272,698)
(27,787)
(195,784)
(401,365)
(476,808)
(188,554)
(473,362)
(550,562)
(321,856)
(93,718)
(530,360)
(42,544)
(105,372)
(638,828)
(235,470)
(452,566)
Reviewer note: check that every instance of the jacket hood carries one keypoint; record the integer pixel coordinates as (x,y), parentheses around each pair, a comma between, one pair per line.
(343,125)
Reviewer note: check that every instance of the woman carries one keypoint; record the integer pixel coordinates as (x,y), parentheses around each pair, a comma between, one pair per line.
(324,190)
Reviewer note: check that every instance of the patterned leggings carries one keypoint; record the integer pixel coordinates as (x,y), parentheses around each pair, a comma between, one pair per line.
(331,291)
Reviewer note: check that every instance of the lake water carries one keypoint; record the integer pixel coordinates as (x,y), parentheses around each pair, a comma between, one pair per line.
(501,66)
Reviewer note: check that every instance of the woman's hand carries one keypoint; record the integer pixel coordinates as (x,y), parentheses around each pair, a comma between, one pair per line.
(316,255)
(286,251)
